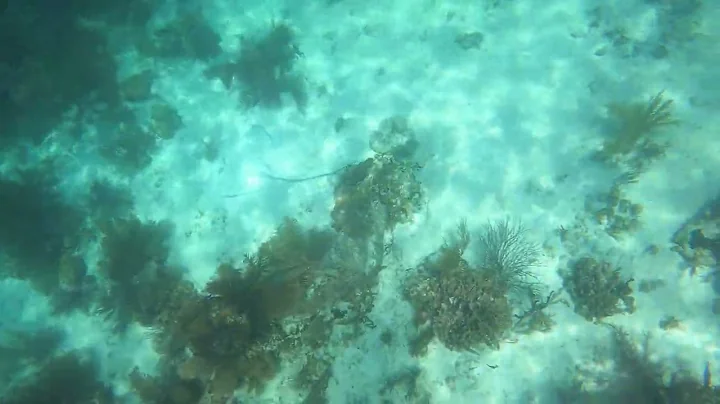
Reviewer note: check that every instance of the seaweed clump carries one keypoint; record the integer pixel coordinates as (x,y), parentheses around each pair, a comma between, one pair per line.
(50,62)
(189,36)
(614,211)
(465,306)
(394,137)
(134,264)
(505,252)
(698,240)
(283,301)
(233,329)
(22,348)
(127,145)
(375,195)
(67,378)
(636,379)
(265,69)
(597,289)
(635,124)
(536,318)
(38,228)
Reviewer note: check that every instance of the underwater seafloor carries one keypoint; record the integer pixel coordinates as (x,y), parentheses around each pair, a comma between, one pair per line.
(336,202)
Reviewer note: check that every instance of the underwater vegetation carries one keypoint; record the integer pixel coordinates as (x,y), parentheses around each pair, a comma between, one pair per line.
(376,195)
(134,268)
(44,235)
(164,120)
(38,227)
(127,144)
(130,246)
(405,385)
(22,348)
(466,305)
(231,329)
(635,125)
(464,309)
(678,24)
(395,137)
(58,71)
(234,335)
(505,252)
(66,378)
(106,199)
(697,242)
(612,210)
(189,36)
(637,379)
(265,69)
(137,87)
(536,318)
(597,289)
(129,139)
(49,63)
(698,239)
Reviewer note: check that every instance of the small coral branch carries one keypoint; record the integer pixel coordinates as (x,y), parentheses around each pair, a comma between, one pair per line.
(634,123)
(507,255)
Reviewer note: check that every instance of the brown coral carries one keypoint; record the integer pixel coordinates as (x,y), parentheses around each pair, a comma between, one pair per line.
(463,306)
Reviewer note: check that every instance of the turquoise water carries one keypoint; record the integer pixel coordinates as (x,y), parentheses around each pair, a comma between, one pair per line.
(343,202)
